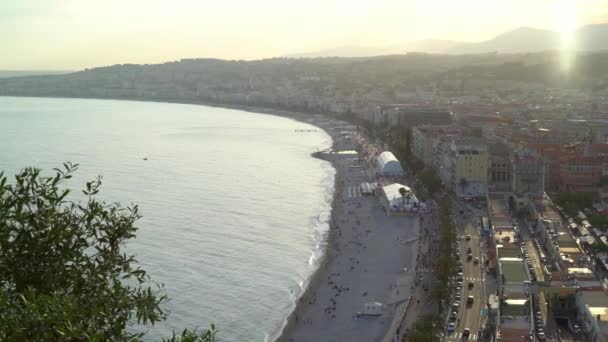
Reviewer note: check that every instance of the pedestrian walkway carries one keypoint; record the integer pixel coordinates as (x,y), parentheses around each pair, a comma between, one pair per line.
(458,337)
(352,191)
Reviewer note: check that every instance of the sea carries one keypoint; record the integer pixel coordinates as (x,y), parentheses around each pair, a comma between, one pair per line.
(235,209)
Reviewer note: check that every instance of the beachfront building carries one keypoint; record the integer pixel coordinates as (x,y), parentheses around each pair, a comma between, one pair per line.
(425,140)
(388,165)
(408,115)
(463,167)
(397,201)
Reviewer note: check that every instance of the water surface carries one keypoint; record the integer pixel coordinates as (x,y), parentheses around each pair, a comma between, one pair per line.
(233,204)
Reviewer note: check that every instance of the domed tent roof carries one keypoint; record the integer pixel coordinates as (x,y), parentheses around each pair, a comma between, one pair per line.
(388,165)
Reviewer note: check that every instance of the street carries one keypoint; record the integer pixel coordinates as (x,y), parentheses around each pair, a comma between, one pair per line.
(469,316)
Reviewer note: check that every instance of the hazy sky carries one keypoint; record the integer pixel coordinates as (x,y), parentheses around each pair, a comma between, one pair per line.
(74,34)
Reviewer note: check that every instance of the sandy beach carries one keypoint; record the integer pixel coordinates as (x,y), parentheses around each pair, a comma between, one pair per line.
(370,257)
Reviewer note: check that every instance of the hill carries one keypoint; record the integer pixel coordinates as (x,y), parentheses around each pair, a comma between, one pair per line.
(520,40)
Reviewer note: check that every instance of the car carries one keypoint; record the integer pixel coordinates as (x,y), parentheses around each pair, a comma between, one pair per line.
(466,332)
(459,284)
(468,238)
(476,261)
(469,250)
(454,316)
(457,297)
(541,336)
(470,300)
(471,284)
(460,268)
(469,257)
(451,327)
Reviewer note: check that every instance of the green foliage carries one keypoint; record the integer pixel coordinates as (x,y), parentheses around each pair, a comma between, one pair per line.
(416,165)
(195,335)
(446,264)
(63,275)
(430,180)
(598,221)
(572,202)
(599,247)
(426,329)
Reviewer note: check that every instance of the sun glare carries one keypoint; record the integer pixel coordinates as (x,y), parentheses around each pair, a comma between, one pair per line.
(566,25)
(567,22)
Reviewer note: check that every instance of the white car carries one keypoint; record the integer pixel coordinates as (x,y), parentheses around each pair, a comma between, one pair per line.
(451,327)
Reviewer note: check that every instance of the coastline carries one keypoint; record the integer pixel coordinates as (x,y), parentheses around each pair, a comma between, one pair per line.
(331,249)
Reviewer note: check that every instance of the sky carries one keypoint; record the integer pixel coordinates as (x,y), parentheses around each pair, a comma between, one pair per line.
(77,34)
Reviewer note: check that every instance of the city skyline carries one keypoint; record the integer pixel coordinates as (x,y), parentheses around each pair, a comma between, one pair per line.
(71,35)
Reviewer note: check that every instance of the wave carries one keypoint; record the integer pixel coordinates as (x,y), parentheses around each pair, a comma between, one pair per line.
(320,232)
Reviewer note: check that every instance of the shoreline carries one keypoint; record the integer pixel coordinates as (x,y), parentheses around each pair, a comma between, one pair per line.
(331,249)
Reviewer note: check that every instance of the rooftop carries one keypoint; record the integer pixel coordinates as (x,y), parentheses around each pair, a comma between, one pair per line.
(597,303)
(508,250)
(515,307)
(470,143)
(499,212)
(513,269)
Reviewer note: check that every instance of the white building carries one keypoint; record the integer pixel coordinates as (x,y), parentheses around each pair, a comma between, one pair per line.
(394,201)
(388,165)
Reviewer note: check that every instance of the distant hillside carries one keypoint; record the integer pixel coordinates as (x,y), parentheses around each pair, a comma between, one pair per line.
(520,40)
(428,46)
(19,73)
(523,39)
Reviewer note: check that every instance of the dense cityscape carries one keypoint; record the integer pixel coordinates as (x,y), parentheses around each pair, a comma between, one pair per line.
(513,152)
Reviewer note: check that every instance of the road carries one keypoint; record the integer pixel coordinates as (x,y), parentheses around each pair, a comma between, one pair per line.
(533,253)
(469,315)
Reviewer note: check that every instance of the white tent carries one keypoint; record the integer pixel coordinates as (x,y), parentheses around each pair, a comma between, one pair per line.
(388,165)
(373,309)
(393,201)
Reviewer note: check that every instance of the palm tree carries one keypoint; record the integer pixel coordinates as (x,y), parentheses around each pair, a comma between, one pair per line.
(403,192)
(408,196)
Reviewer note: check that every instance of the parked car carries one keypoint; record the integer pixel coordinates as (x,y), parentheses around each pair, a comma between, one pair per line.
(451,327)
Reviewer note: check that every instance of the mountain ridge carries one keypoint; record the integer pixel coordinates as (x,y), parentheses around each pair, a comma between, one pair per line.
(593,37)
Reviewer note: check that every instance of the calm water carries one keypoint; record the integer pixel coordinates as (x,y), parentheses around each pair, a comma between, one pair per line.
(233,204)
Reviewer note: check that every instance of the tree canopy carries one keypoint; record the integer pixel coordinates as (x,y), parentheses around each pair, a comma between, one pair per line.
(63,273)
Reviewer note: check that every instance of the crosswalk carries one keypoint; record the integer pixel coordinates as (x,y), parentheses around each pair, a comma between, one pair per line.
(352,191)
(474,279)
(457,336)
